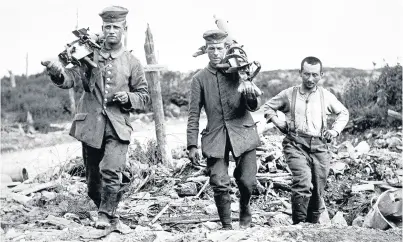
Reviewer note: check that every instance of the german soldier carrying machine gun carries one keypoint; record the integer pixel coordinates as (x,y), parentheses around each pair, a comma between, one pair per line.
(225,90)
(115,85)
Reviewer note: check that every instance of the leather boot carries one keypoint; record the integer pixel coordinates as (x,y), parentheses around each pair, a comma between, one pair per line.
(223,203)
(245,215)
(107,209)
(315,208)
(299,209)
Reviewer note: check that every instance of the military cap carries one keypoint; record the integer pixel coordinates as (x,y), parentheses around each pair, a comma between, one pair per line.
(215,36)
(114,14)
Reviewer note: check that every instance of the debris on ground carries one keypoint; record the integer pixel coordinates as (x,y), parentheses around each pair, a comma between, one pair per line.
(177,202)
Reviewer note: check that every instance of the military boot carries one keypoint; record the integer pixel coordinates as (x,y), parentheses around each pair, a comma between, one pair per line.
(223,203)
(315,208)
(299,209)
(107,209)
(245,215)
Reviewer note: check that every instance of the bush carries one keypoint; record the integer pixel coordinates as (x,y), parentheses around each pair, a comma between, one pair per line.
(369,100)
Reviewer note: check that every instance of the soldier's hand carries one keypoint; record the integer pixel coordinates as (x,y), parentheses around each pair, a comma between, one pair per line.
(194,155)
(330,134)
(53,68)
(121,97)
(280,124)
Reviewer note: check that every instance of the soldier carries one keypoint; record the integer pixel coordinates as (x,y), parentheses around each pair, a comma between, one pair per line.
(306,107)
(112,90)
(230,128)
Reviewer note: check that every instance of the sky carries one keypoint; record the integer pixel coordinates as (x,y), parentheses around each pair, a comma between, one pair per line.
(277,33)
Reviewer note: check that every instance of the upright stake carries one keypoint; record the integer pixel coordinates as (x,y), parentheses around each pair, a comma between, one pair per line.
(152,77)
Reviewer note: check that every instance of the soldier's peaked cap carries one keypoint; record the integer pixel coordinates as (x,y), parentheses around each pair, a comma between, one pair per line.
(114,14)
(215,36)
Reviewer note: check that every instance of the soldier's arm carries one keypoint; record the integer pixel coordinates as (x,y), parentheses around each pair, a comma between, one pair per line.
(138,94)
(195,106)
(278,102)
(68,77)
(334,106)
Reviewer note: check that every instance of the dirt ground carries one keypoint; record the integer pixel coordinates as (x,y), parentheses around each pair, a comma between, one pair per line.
(43,151)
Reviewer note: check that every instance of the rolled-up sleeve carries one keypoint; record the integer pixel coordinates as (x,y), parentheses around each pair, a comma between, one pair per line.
(138,86)
(195,107)
(336,107)
(278,102)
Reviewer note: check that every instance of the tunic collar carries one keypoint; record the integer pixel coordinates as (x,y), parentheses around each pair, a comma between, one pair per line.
(111,53)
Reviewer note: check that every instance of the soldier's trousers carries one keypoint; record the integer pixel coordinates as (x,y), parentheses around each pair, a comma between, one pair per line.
(244,173)
(309,159)
(104,166)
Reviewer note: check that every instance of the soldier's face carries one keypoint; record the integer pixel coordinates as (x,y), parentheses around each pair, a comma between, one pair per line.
(216,53)
(311,75)
(113,32)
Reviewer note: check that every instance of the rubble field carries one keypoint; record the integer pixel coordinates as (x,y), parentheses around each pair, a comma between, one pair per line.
(174,202)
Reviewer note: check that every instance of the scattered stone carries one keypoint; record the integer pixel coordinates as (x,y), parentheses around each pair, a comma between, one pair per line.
(338,167)
(362,148)
(48,196)
(173,195)
(338,219)
(156,227)
(358,221)
(324,218)
(187,189)
(346,147)
(393,142)
(380,143)
(72,217)
(234,207)
(280,219)
(211,225)
(210,209)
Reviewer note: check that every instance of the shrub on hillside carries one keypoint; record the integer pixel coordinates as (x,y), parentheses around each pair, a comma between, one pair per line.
(370,100)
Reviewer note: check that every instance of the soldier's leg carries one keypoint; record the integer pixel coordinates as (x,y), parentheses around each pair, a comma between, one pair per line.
(92,157)
(245,176)
(301,185)
(220,183)
(111,168)
(320,170)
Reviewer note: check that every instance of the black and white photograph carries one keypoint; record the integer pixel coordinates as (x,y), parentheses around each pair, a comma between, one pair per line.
(189,120)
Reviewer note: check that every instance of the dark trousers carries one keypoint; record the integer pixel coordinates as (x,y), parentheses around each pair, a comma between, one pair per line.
(244,173)
(104,166)
(308,158)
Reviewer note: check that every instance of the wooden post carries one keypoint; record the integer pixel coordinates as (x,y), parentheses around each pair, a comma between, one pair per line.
(156,98)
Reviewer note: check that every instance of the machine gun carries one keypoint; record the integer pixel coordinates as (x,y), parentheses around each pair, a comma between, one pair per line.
(235,59)
(82,49)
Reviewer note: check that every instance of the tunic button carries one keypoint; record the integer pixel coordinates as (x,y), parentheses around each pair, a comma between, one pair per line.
(110,65)
(106,92)
(105,99)
(108,79)
(104,107)
(107,86)
(109,72)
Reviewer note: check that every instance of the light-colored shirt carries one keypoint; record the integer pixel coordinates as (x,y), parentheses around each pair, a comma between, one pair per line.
(308,112)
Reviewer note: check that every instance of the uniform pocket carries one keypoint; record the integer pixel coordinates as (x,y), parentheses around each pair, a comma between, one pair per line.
(80,116)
